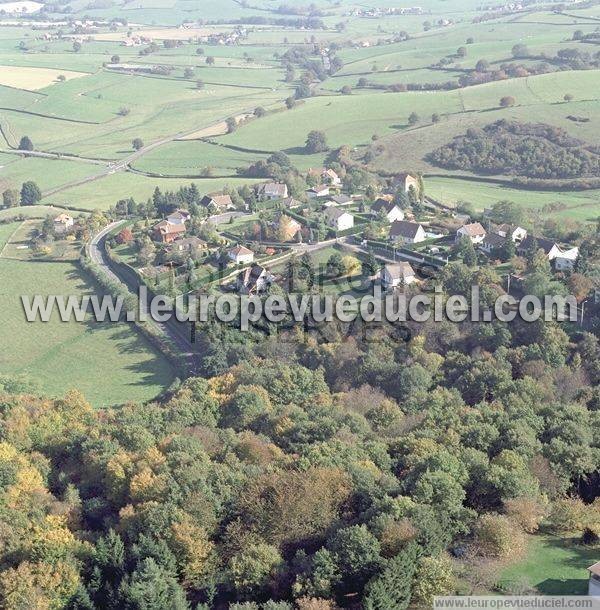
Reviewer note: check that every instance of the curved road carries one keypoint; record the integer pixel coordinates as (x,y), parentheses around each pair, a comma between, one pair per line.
(177,332)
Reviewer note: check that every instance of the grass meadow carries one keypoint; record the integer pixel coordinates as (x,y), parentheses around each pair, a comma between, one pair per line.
(109,363)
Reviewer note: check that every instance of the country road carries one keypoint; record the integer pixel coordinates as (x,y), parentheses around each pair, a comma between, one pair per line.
(177,332)
(111,167)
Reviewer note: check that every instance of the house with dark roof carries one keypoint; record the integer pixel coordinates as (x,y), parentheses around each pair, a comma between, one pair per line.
(341,199)
(253,280)
(562,259)
(406,232)
(388,207)
(492,241)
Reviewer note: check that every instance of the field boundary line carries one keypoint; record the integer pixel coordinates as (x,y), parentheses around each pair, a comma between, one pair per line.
(10,237)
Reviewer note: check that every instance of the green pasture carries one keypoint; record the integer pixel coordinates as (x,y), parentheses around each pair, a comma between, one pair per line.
(578,205)
(105,192)
(109,363)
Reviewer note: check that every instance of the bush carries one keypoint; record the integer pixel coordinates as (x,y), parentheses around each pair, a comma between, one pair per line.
(526,512)
(498,536)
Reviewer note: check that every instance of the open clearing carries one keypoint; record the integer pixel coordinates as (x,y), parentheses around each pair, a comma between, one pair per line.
(33,78)
(554,566)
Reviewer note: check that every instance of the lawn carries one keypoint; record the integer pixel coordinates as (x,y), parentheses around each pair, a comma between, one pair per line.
(109,363)
(554,566)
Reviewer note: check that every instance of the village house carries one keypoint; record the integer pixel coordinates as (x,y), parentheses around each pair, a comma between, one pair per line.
(492,241)
(285,227)
(272,191)
(241,255)
(328,176)
(397,274)
(474,231)
(386,206)
(254,280)
(167,232)
(178,217)
(563,260)
(337,219)
(290,203)
(63,223)
(517,234)
(594,581)
(407,232)
(316,192)
(217,202)
(188,244)
(405,182)
(341,199)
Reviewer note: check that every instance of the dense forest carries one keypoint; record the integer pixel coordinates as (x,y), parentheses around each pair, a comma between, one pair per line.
(520,149)
(306,471)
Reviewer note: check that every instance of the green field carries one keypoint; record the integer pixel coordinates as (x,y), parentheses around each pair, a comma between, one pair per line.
(578,205)
(554,566)
(109,363)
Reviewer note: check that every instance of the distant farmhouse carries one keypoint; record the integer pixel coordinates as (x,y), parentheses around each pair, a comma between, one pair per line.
(328,176)
(63,223)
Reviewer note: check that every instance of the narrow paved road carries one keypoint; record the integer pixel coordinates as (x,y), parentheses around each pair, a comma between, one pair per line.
(123,164)
(177,332)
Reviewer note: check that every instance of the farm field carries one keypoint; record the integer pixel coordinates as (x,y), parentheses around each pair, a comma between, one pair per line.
(105,192)
(60,356)
(579,205)
(33,78)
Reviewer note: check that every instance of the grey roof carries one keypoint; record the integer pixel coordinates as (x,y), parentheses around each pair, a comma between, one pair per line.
(273,188)
(333,213)
(290,202)
(404,228)
(341,199)
(494,240)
